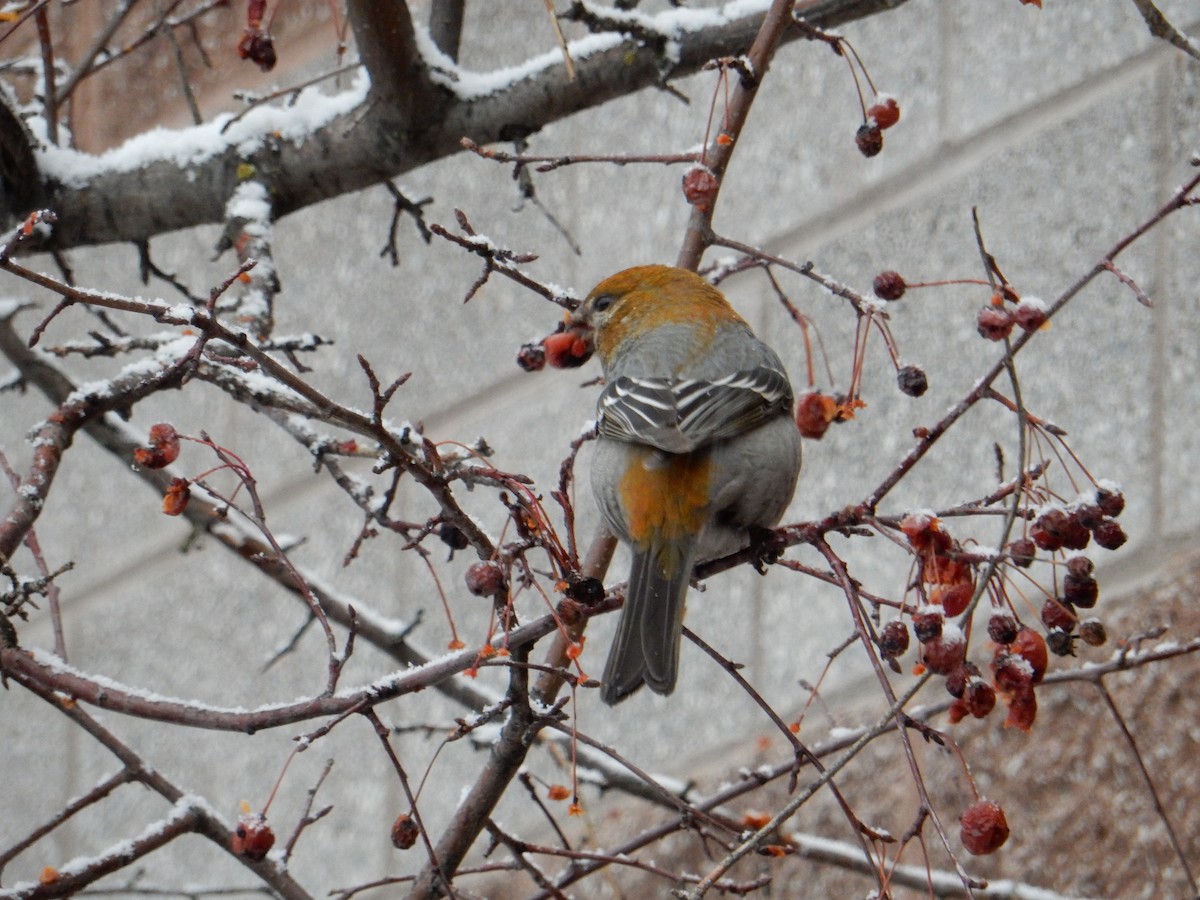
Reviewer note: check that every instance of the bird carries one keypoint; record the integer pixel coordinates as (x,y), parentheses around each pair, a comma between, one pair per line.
(697,448)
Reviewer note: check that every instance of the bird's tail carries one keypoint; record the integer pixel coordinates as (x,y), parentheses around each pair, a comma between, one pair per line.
(646,648)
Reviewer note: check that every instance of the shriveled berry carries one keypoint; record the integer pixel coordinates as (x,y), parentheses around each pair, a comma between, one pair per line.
(531,357)
(1080,566)
(1111,501)
(587,591)
(1030,314)
(912,381)
(1089,515)
(814,412)
(1047,532)
(956,682)
(980,697)
(452,536)
(486,578)
(869,139)
(953,598)
(983,828)
(1031,647)
(1093,632)
(1002,628)
(893,639)
(885,111)
(994,323)
(889,285)
(1022,552)
(1060,642)
(700,186)
(958,711)
(924,531)
(1080,590)
(405,832)
(1058,614)
(252,837)
(927,625)
(1076,536)
(1022,710)
(1109,535)
(1011,672)
(944,654)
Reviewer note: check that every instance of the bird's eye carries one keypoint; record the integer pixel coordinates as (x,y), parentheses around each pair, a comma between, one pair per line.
(603,302)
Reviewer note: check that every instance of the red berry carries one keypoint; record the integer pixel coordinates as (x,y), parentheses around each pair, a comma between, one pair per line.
(253,837)
(924,532)
(1076,536)
(814,412)
(1022,552)
(994,323)
(700,187)
(1060,643)
(1031,647)
(983,828)
(893,639)
(927,625)
(889,285)
(1080,590)
(1022,710)
(486,578)
(405,832)
(958,711)
(1030,314)
(1093,632)
(1089,515)
(885,111)
(1080,565)
(944,654)
(953,598)
(1111,501)
(1048,531)
(1058,614)
(912,381)
(1002,628)
(1109,535)
(869,139)
(1012,672)
(532,357)
(980,697)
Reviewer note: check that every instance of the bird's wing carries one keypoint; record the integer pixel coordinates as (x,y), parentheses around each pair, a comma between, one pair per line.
(680,415)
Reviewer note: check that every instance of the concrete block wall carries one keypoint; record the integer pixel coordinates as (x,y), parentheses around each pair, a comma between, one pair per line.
(1064,127)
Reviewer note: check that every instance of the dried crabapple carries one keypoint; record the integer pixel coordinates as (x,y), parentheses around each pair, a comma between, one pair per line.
(1080,566)
(1002,628)
(486,578)
(980,697)
(927,624)
(953,598)
(814,412)
(994,323)
(252,837)
(983,828)
(885,111)
(405,832)
(1022,710)
(1031,647)
(912,381)
(163,450)
(893,639)
(1030,314)
(1022,552)
(1109,534)
(869,139)
(452,536)
(700,187)
(924,531)
(1080,590)
(944,654)
(1093,633)
(889,285)
(1111,501)
(175,500)
(532,357)
(1060,642)
(1058,614)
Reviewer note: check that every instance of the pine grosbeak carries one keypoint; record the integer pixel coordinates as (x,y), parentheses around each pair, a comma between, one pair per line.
(696,447)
